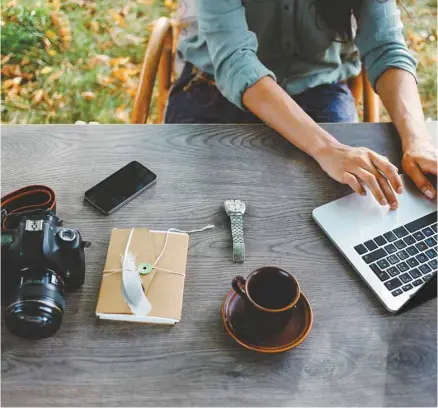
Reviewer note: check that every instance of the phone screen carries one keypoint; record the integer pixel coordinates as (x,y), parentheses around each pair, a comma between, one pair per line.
(120,187)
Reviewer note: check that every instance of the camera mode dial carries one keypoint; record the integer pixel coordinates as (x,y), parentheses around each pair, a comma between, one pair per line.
(67,235)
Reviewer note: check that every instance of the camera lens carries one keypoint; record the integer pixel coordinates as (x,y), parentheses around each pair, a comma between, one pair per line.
(36,307)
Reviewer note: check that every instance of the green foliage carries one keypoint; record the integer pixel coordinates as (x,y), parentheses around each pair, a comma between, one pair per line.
(25,32)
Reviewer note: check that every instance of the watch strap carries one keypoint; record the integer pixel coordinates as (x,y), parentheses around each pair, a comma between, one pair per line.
(237,234)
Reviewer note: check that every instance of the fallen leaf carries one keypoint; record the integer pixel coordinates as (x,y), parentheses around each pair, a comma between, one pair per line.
(106,44)
(9,83)
(24,92)
(60,20)
(120,74)
(48,100)
(50,34)
(123,74)
(94,25)
(56,75)
(46,70)
(119,61)
(118,19)
(38,96)
(26,75)
(99,59)
(88,95)
(56,4)
(11,70)
(47,43)
(13,92)
(168,4)
(5,59)
(104,80)
(134,39)
(122,114)
(127,8)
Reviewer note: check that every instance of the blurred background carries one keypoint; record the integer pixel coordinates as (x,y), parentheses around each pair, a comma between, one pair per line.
(69,60)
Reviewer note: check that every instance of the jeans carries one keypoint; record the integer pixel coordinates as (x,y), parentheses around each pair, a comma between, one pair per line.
(194,98)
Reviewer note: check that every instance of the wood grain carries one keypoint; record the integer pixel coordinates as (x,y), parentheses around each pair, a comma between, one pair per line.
(356,355)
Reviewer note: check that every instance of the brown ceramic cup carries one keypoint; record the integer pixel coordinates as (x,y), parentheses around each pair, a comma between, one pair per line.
(270,293)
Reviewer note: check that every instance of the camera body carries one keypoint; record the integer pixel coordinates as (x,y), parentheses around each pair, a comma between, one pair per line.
(40,260)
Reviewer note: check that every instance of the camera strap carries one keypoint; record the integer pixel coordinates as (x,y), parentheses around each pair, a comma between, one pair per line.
(26,200)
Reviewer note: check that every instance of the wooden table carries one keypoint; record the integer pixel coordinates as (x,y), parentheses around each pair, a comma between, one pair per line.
(356,355)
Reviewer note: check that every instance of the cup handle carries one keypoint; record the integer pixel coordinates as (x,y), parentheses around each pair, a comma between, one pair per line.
(237,284)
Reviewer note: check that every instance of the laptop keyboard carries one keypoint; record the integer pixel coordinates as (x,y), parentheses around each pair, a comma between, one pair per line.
(405,257)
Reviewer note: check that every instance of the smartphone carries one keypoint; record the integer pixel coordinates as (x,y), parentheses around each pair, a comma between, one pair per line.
(120,187)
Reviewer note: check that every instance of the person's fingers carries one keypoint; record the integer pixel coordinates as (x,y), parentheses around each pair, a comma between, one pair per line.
(370,180)
(429,166)
(388,170)
(414,172)
(387,190)
(352,181)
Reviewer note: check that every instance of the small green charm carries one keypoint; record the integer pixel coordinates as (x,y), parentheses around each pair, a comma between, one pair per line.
(145,268)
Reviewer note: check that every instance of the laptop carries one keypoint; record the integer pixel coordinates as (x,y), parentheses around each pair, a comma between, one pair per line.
(394,251)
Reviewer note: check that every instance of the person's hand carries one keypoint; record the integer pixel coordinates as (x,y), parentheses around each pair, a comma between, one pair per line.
(358,166)
(420,158)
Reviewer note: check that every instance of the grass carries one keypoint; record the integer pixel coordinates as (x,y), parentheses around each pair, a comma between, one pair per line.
(73,60)
(70,60)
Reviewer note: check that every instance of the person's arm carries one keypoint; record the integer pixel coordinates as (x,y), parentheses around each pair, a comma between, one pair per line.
(232,47)
(392,73)
(355,166)
(399,94)
(247,83)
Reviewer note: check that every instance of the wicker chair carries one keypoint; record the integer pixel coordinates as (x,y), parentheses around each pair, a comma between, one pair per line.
(160,61)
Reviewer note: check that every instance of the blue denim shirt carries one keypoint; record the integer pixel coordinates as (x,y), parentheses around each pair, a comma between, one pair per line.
(241,41)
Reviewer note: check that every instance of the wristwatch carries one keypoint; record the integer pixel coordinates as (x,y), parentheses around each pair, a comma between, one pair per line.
(235,209)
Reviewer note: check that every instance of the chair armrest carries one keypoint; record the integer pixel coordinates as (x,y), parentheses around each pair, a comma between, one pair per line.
(158,52)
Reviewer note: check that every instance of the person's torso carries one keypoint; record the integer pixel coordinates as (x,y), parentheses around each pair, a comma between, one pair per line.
(291,36)
(293,41)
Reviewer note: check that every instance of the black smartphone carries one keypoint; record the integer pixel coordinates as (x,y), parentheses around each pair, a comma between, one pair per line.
(120,187)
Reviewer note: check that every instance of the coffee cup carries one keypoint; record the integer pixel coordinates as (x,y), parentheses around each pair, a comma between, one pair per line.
(269,295)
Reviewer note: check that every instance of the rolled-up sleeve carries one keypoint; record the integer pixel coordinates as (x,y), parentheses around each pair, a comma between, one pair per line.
(380,39)
(232,47)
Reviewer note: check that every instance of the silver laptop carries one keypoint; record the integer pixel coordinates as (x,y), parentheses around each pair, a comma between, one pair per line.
(394,251)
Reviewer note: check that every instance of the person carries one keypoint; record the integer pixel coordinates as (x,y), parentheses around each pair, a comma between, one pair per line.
(286,62)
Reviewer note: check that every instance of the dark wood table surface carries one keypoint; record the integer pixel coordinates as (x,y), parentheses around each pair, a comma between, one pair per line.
(357,354)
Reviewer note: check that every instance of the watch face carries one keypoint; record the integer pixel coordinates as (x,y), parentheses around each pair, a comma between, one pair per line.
(235,206)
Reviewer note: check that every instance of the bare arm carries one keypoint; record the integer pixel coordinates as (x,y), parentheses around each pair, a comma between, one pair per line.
(352,166)
(399,93)
(268,101)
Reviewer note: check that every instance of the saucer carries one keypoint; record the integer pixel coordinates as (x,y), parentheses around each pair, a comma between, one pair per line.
(296,329)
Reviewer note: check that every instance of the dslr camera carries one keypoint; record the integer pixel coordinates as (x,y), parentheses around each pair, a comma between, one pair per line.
(40,261)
